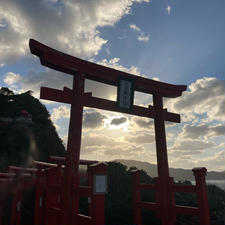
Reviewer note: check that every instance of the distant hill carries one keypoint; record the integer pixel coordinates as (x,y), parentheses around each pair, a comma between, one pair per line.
(26,131)
(177,173)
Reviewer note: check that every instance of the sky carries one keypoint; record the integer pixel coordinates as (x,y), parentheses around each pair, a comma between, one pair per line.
(174,41)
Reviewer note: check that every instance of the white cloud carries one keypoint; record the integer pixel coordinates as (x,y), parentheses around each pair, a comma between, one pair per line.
(140,138)
(141,35)
(33,81)
(140,1)
(205,96)
(135,27)
(189,147)
(168,9)
(189,117)
(54,79)
(212,163)
(65,139)
(156,78)
(3,25)
(92,119)
(143,38)
(183,161)
(71,26)
(12,78)
(215,162)
(60,113)
(94,140)
(110,148)
(114,63)
(13,81)
(124,152)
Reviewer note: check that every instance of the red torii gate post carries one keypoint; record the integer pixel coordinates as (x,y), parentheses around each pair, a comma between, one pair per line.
(81,70)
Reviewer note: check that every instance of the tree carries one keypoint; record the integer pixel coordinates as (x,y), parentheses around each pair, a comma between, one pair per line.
(6,91)
(22,141)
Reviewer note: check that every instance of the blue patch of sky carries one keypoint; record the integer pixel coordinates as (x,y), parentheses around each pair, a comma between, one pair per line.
(3,24)
(57,4)
(22,66)
(176,129)
(183,47)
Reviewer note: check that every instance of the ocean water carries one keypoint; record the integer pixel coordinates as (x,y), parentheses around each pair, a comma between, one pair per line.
(218,183)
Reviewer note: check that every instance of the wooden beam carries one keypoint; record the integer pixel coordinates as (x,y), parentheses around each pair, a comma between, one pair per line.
(68,64)
(65,96)
(185,210)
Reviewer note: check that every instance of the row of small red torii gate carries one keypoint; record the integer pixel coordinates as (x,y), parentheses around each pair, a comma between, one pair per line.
(164,187)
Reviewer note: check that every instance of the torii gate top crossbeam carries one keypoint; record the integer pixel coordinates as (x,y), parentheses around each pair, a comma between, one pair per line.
(69,64)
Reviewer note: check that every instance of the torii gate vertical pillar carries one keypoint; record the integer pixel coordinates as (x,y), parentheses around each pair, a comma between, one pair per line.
(162,160)
(68,64)
(73,149)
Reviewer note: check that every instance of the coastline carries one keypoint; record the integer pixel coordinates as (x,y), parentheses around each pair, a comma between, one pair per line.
(218,183)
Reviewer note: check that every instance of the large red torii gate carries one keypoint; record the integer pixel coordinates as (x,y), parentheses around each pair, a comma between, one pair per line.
(81,70)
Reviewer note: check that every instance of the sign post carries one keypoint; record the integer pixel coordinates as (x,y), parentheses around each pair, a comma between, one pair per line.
(125,94)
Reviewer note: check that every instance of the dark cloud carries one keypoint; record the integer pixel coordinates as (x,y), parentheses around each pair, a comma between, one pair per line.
(190,147)
(218,130)
(194,132)
(140,139)
(93,120)
(118,121)
(143,123)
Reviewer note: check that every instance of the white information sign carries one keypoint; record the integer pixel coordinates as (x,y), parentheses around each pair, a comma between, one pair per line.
(125,94)
(100,184)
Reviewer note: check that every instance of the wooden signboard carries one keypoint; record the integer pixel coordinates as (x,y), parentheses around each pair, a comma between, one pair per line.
(125,94)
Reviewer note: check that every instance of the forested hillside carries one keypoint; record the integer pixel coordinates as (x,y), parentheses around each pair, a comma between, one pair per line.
(25,137)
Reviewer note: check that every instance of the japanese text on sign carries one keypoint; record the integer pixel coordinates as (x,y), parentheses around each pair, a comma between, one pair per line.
(125,94)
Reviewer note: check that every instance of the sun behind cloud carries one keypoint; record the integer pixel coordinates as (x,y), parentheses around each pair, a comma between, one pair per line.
(117,122)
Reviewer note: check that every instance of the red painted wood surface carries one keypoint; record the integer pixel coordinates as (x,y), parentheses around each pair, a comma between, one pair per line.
(16,169)
(39,198)
(81,70)
(162,160)
(68,64)
(73,148)
(65,96)
(48,183)
(136,197)
(202,210)
(199,174)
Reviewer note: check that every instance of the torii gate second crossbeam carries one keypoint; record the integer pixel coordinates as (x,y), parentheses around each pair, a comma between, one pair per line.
(81,70)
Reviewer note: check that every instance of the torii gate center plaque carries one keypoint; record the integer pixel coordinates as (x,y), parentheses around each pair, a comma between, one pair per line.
(125,94)
(127,84)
